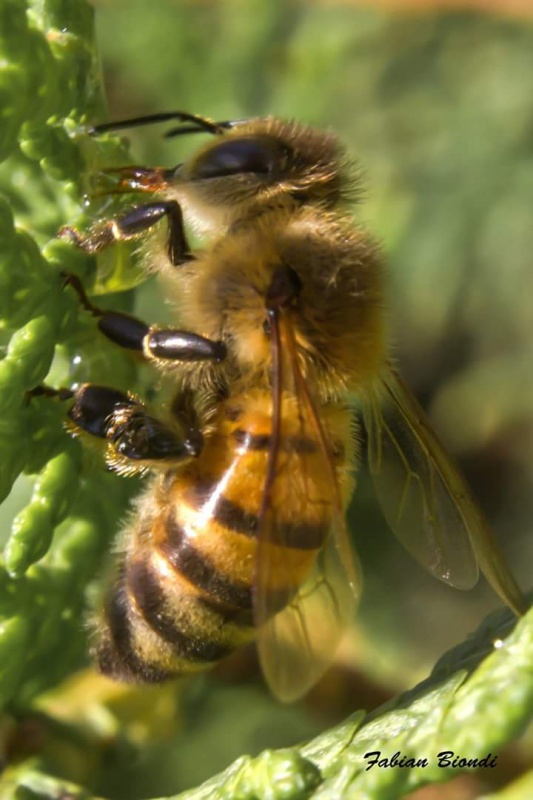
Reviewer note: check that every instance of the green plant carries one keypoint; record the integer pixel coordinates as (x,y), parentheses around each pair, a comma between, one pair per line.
(49,83)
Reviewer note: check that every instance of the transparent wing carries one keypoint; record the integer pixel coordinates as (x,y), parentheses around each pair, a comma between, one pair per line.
(425,499)
(307,577)
(297,644)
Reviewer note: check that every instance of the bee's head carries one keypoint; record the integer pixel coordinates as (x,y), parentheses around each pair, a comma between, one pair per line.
(246,167)
(256,164)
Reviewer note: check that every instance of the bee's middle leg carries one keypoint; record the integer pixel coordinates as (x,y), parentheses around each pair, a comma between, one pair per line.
(156,344)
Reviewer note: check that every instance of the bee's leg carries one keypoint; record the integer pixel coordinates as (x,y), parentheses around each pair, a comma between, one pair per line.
(133,223)
(168,344)
(155,344)
(135,439)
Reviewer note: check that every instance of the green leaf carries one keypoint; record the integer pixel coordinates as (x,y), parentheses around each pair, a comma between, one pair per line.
(472,704)
(520,789)
(48,71)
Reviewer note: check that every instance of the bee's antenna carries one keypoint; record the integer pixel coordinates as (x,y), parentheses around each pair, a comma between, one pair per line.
(198,124)
(222,125)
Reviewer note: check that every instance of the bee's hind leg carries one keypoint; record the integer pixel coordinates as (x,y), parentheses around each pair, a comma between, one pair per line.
(135,439)
(156,344)
(133,223)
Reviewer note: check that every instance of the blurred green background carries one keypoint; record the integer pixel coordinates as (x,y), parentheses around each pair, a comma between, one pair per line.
(437,108)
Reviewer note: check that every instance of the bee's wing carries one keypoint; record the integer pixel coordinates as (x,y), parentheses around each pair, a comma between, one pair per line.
(425,499)
(304,597)
(297,644)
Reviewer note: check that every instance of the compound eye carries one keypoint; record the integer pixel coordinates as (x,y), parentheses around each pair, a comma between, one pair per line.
(258,155)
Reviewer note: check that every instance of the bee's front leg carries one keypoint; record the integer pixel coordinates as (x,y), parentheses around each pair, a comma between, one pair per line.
(133,223)
(135,439)
(156,344)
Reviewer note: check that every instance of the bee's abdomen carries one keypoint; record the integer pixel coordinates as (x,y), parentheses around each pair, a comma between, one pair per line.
(172,610)
(142,642)
(183,598)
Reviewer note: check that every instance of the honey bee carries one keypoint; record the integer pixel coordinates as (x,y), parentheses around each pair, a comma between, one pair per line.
(241,533)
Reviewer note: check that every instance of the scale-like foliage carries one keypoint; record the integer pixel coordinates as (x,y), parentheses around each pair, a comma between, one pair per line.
(479,697)
(49,84)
